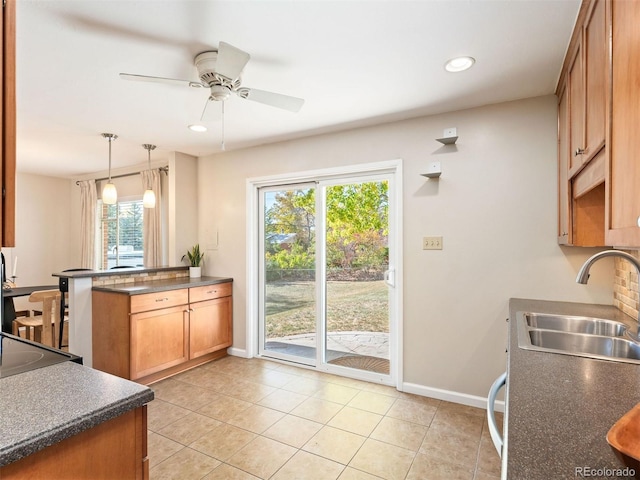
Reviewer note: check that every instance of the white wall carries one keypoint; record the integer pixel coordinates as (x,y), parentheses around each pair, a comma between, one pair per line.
(43,221)
(495,206)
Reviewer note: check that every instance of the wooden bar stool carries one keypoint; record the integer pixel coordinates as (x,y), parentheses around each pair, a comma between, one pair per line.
(42,328)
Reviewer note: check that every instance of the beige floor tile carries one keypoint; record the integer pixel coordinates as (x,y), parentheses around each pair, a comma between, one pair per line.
(334,444)
(262,457)
(381,389)
(222,442)
(161,413)
(400,433)
(414,412)
(206,378)
(227,472)
(160,448)
(249,391)
(412,397)
(483,476)
(182,394)
(306,466)
(488,459)
(189,428)
(372,402)
(256,418)
(384,460)
(459,420)
(317,410)
(464,409)
(224,407)
(292,430)
(272,378)
(333,392)
(450,444)
(187,464)
(304,386)
(425,468)
(355,421)
(350,473)
(283,400)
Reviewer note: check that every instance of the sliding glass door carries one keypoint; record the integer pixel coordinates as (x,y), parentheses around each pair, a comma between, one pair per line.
(326,284)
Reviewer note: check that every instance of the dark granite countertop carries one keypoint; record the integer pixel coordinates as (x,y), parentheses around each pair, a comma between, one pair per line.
(116,271)
(152,286)
(560,407)
(47,405)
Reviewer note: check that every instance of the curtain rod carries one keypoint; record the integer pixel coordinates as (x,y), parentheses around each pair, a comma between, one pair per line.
(161,169)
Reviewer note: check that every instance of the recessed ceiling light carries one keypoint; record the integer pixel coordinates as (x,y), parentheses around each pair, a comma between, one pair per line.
(198,128)
(459,64)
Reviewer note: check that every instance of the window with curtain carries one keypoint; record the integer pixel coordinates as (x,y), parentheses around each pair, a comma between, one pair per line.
(121,234)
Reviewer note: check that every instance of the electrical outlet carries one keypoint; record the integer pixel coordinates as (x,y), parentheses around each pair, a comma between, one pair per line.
(432,243)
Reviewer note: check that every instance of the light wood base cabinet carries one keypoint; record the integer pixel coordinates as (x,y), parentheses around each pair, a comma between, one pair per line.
(150,336)
(114,449)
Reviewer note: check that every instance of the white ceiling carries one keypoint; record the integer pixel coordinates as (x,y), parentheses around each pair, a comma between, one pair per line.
(355,63)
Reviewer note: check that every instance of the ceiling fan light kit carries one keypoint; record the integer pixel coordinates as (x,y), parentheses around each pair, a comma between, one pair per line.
(220,71)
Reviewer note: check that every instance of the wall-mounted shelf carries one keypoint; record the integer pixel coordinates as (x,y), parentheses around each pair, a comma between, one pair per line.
(447,140)
(433,171)
(431,174)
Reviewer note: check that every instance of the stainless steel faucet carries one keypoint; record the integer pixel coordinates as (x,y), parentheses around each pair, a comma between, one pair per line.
(583,274)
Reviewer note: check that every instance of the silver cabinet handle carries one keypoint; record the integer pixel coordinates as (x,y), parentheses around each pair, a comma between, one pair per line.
(212,291)
(491,415)
(162,299)
(579,151)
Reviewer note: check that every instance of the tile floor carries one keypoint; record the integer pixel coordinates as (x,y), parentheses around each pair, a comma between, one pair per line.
(239,419)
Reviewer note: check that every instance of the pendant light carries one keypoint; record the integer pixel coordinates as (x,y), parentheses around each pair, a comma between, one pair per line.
(109,192)
(149,197)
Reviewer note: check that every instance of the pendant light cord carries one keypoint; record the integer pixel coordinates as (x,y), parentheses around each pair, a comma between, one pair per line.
(222,144)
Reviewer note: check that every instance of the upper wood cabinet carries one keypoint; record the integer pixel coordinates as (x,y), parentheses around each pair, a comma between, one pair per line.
(8,125)
(598,179)
(585,84)
(623,172)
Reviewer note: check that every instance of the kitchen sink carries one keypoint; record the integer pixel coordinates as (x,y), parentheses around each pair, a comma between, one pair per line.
(589,345)
(579,336)
(575,324)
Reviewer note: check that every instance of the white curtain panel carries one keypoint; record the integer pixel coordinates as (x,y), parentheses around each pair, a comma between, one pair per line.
(152,220)
(88,203)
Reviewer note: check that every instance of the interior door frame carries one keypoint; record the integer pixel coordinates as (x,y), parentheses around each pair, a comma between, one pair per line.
(253,186)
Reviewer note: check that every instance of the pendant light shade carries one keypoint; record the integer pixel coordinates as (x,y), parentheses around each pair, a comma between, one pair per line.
(149,197)
(109,192)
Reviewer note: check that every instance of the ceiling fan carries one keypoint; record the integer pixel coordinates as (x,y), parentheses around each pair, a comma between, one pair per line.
(220,70)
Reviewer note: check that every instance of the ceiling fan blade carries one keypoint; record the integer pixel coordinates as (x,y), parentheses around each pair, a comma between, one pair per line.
(211,113)
(231,61)
(293,104)
(171,81)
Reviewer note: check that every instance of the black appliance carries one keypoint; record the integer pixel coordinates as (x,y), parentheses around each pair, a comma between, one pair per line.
(18,355)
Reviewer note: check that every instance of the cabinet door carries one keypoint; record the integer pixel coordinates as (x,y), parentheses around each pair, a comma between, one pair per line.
(624,169)
(576,109)
(595,80)
(8,125)
(159,340)
(564,197)
(210,326)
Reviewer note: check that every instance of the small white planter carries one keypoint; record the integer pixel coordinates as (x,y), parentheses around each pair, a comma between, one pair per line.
(195,272)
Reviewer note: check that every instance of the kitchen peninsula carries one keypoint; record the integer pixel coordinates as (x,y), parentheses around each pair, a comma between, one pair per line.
(140,285)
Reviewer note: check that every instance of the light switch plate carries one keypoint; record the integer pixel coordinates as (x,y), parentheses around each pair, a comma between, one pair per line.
(432,243)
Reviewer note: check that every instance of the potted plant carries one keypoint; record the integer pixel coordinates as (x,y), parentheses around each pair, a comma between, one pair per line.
(195,257)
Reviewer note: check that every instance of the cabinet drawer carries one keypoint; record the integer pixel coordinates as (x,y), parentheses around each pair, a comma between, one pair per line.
(154,301)
(209,292)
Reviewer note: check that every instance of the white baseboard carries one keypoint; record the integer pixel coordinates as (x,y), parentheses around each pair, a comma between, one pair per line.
(449,396)
(237,352)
